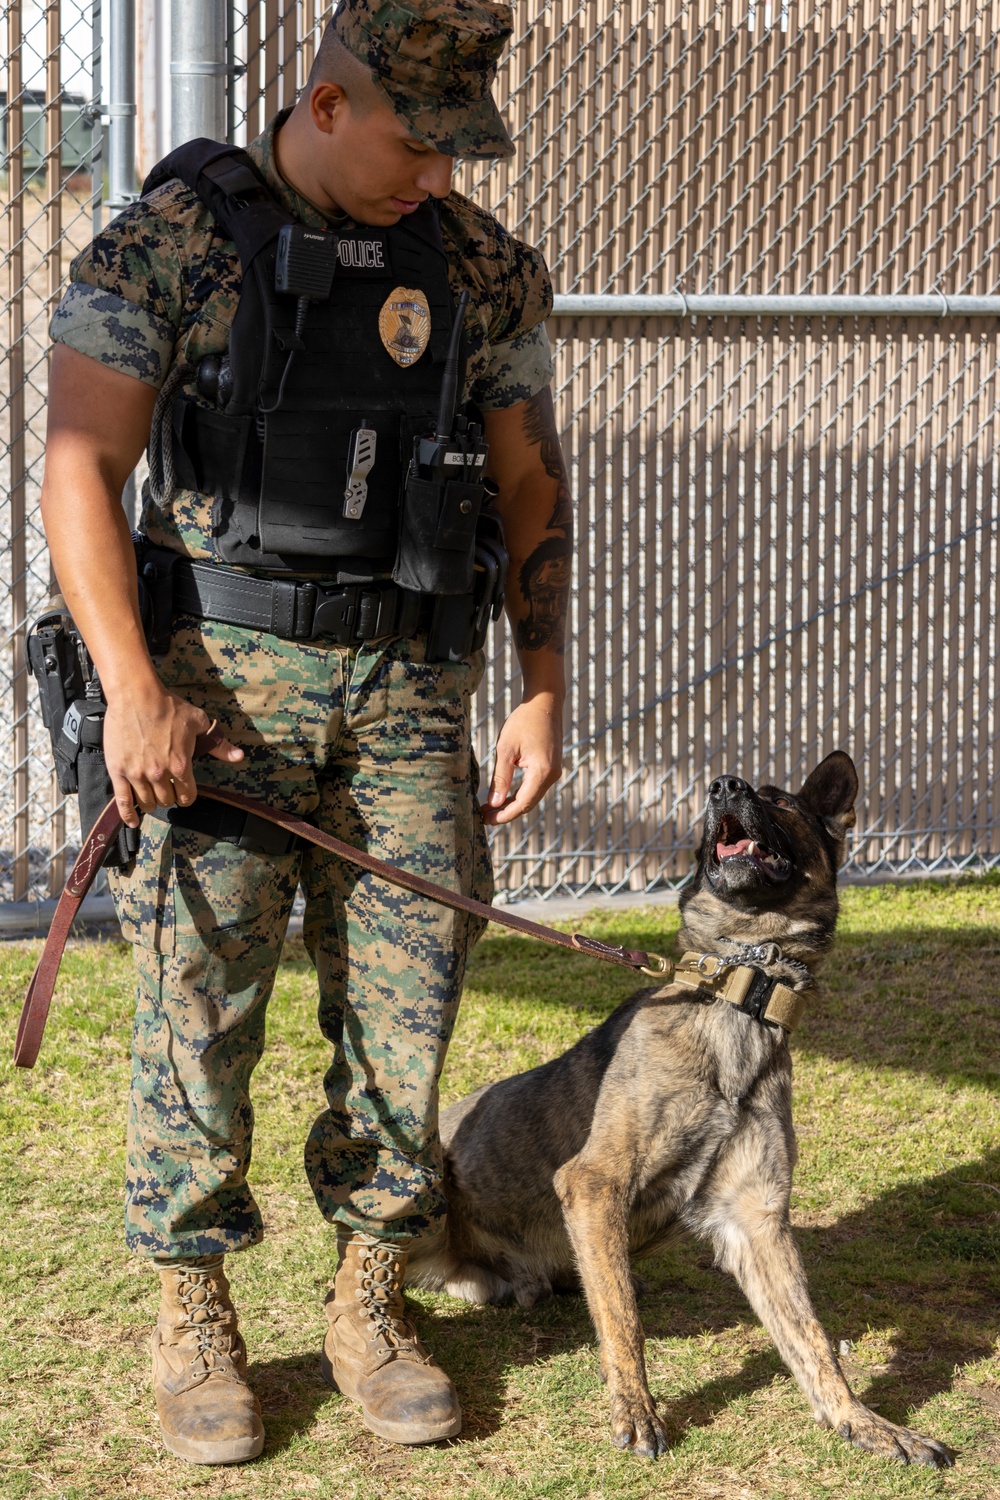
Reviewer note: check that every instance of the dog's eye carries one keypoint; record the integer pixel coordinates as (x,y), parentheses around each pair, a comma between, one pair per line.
(783,802)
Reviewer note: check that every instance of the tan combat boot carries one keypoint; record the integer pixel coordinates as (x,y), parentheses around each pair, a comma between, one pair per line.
(208,1414)
(372,1353)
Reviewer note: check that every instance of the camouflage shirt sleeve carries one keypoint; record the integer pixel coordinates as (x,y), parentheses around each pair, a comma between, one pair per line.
(518,370)
(124,303)
(511,296)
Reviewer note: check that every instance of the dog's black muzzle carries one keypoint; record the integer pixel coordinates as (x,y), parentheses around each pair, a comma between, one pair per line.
(743,847)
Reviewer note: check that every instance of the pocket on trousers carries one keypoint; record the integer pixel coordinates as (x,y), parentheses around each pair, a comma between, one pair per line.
(187,885)
(143,895)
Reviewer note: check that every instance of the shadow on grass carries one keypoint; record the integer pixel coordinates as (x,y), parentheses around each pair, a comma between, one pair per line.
(932,1293)
(922,1262)
(920,998)
(291,1392)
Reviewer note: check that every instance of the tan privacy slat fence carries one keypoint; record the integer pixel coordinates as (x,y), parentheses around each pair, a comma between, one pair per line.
(838,154)
(785,547)
(787,527)
(787,532)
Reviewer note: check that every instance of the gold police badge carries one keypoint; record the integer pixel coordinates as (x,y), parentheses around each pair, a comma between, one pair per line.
(404,324)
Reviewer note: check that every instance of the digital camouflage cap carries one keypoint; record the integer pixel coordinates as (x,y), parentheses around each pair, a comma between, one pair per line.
(435,60)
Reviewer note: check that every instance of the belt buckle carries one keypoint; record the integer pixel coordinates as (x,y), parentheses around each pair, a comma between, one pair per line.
(377,612)
(334,615)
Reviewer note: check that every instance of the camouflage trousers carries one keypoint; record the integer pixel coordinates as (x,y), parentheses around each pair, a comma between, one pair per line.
(372,745)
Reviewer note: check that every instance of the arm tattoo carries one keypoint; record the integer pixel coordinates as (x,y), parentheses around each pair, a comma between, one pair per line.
(544,581)
(540,431)
(545,576)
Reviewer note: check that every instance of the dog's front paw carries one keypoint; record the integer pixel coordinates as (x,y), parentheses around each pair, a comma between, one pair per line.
(876,1435)
(635,1425)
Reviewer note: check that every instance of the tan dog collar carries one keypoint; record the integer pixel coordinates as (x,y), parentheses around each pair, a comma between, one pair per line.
(751,990)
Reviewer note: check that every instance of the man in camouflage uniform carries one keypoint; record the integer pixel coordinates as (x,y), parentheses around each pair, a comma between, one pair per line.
(370,741)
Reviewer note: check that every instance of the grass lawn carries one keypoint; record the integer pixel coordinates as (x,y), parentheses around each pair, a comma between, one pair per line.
(897,1207)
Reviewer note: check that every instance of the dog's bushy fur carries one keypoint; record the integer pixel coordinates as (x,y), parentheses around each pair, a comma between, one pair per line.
(673,1115)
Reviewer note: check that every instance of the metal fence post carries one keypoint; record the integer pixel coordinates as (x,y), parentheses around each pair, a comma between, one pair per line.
(198,67)
(54,256)
(120,107)
(18,455)
(96,112)
(121,111)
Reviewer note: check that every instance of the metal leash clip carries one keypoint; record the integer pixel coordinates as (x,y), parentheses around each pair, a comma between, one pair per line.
(718,964)
(664,967)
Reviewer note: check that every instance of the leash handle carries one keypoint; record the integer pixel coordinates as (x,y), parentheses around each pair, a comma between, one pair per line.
(35,1010)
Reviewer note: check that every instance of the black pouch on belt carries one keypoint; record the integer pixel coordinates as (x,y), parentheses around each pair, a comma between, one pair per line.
(154,567)
(442,500)
(437,536)
(459,622)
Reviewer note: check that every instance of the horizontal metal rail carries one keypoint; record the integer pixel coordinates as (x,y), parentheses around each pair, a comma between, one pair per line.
(33,918)
(678,304)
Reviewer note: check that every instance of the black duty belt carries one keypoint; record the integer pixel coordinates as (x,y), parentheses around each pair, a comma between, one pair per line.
(346,614)
(230,825)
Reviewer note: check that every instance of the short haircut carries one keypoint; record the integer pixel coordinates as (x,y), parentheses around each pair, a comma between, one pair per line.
(334,64)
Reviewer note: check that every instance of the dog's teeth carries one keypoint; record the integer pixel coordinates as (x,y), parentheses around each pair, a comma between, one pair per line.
(751,847)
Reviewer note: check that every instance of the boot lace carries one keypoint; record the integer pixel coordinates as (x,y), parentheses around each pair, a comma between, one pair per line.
(207,1316)
(379,1295)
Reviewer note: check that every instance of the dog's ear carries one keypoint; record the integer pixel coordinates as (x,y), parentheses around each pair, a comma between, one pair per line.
(831,792)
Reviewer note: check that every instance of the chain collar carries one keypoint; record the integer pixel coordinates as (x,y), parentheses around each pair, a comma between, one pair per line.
(752,955)
(741,979)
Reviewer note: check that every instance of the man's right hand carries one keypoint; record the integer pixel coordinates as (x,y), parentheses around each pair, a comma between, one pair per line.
(148,743)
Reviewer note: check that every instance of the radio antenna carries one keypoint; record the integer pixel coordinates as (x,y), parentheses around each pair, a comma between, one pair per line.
(449,383)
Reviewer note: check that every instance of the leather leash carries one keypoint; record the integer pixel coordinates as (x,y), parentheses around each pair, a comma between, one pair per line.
(36,1004)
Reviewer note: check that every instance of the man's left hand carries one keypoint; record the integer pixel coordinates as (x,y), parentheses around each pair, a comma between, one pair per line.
(530,741)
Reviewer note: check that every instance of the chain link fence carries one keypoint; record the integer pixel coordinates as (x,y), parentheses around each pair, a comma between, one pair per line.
(51,163)
(787,536)
(787,526)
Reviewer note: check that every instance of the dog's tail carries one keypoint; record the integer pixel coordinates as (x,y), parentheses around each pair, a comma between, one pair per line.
(435,1266)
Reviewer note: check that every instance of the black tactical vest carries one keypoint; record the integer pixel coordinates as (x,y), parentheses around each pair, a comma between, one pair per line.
(305,377)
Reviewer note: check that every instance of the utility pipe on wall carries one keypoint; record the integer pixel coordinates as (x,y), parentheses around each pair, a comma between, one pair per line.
(676,304)
(120,105)
(198,69)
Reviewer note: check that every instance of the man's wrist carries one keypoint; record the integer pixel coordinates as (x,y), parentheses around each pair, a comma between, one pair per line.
(136,680)
(542,672)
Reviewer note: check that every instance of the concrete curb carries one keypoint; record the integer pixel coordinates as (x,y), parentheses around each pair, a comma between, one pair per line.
(24,919)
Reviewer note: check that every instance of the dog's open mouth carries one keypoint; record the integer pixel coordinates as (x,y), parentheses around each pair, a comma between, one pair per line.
(733,842)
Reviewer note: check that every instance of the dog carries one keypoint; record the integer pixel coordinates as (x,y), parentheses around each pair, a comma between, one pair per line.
(673,1115)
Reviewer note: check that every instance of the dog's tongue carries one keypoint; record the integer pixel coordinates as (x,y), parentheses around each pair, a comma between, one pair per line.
(726,851)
